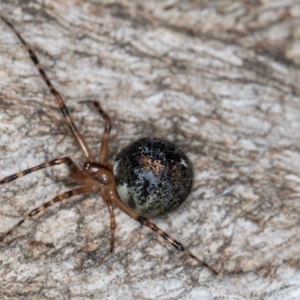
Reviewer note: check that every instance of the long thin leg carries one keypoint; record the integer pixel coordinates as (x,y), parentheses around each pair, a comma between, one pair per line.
(112,225)
(106,133)
(178,246)
(71,193)
(78,175)
(61,104)
(173,242)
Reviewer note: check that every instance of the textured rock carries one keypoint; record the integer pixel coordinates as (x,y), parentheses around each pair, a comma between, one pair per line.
(220,79)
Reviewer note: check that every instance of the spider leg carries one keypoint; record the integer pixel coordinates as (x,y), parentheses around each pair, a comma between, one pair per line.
(104,193)
(106,133)
(61,104)
(173,242)
(145,222)
(112,225)
(71,193)
(78,174)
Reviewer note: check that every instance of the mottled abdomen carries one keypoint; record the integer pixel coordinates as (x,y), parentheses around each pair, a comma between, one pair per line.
(152,176)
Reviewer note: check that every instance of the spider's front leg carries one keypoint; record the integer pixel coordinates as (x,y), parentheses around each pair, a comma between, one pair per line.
(60,102)
(106,132)
(76,172)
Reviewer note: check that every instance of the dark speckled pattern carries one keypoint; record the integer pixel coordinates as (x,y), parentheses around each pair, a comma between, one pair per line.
(152,176)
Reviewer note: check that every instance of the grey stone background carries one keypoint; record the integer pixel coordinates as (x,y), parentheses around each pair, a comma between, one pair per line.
(218,78)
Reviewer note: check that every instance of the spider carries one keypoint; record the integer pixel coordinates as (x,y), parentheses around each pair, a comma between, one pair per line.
(149,177)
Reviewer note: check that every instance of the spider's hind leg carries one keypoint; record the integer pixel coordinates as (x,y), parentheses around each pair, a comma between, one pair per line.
(173,242)
(145,222)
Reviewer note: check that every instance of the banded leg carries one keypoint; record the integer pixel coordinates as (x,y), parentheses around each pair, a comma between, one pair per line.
(112,225)
(106,133)
(78,174)
(145,222)
(61,104)
(71,193)
(173,242)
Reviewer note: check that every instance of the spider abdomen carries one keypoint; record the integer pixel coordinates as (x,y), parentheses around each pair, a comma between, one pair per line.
(152,176)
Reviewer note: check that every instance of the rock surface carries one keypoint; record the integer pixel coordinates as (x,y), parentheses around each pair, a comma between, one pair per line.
(220,79)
